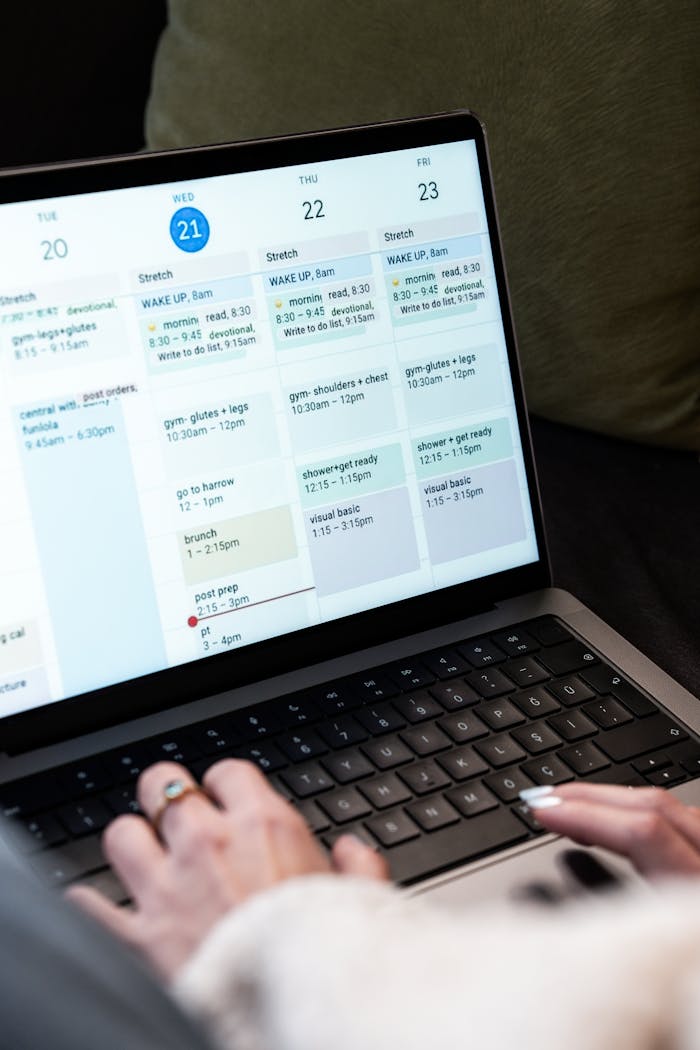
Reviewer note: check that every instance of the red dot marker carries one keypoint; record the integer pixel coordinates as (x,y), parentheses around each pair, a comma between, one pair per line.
(192,621)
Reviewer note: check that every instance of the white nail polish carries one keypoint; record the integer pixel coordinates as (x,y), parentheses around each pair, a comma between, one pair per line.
(527,793)
(546,802)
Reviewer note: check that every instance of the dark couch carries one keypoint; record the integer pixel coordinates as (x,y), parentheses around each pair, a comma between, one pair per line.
(623,519)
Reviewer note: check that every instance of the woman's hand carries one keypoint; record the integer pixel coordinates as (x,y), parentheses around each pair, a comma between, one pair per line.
(215,849)
(649,826)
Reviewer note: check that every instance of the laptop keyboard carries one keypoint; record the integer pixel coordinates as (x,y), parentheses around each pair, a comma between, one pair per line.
(423,758)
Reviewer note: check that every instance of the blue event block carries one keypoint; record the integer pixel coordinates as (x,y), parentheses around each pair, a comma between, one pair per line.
(431,254)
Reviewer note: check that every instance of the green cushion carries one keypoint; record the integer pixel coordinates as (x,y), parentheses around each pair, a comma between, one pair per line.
(592,111)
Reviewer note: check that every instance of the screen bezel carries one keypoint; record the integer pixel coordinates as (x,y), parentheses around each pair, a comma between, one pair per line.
(74,716)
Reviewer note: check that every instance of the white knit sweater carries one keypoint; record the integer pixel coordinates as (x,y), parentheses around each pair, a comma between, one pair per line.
(329,963)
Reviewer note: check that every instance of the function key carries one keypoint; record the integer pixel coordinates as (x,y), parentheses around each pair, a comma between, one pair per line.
(515,642)
(445,663)
(480,652)
(82,778)
(127,763)
(295,711)
(491,682)
(176,747)
(570,691)
(335,698)
(122,800)
(548,631)
(455,696)
(409,674)
(213,738)
(418,707)
(374,685)
(254,722)
(566,658)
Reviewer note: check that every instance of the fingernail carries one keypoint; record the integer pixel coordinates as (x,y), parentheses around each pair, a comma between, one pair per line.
(535,792)
(545,803)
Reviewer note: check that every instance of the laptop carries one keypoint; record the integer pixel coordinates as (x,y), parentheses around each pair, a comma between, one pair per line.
(269,492)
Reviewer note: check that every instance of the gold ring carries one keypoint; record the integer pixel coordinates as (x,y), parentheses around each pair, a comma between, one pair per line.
(174,791)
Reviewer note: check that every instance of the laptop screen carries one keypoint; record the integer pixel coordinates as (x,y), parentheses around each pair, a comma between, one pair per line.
(242,405)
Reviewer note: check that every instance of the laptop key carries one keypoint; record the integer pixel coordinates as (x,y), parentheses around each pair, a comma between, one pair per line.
(417,707)
(508,784)
(584,758)
(385,791)
(535,702)
(567,658)
(307,780)
(424,777)
(373,686)
(525,672)
(457,844)
(380,718)
(472,799)
(58,867)
(536,737)
(500,714)
(335,699)
(341,732)
(433,813)
(348,765)
(391,829)
(515,641)
(23,798)
(455,696)
(315,818)
(548,631)
(547,770)
(82,778)
(491,682)
(463,763)
(85,818)
(41,833)
(570,691)
(605,679)
(254,722)
(122,800)
(426,739)
(464,727)
(344,805)
(302,745)
(667,777)
(445,663)
(500,750)
(480,652)
(409,675)
(689,758)
(387,752)
(212,738)
(607,712)
(264,754)
(572,725)
(126,763)
(650,763)
(292,712)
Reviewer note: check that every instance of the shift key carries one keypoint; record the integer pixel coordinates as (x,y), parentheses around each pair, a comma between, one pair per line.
(651,734)
(454,845)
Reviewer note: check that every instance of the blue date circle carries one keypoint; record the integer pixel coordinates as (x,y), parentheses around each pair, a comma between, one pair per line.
(189,229)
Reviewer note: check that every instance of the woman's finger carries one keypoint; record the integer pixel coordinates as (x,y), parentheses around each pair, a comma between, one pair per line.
(184,818)
(132,848)
(644,836)
(235,783)
(686,819)
(353,857)
(122,923)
